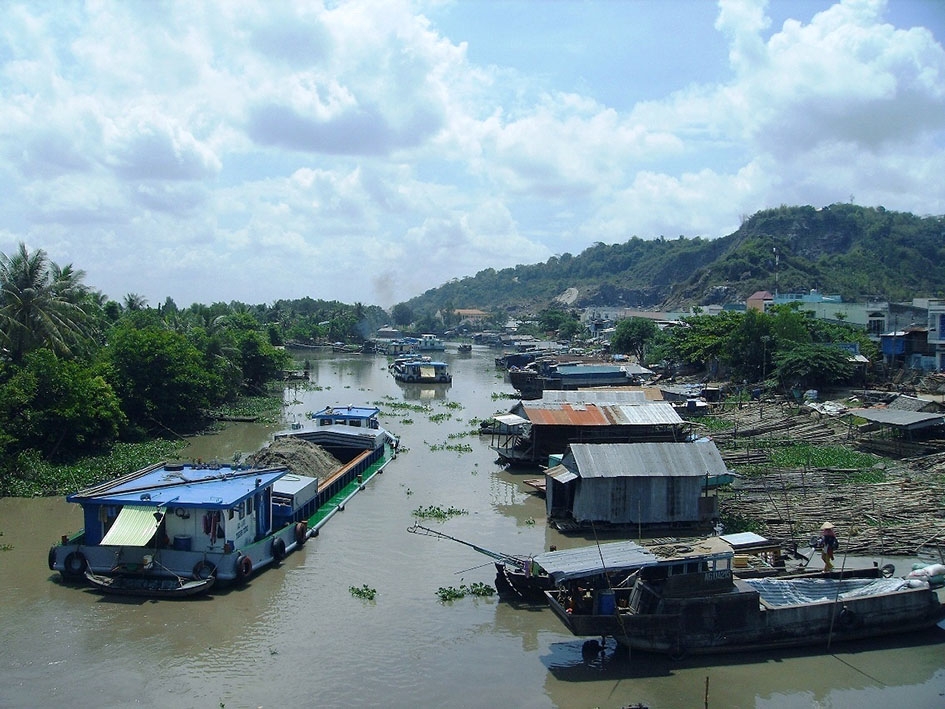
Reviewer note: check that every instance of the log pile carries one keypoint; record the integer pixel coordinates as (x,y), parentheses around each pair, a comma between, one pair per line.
(898,516)
(895,517)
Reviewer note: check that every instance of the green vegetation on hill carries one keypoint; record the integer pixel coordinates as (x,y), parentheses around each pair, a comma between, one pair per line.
(857,252)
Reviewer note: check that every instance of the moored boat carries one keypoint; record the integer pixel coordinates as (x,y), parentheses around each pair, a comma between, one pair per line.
(154,531)
(150,586)
(697,605)
(423,371)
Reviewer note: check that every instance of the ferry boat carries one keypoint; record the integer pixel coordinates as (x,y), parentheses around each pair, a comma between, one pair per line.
(163,529)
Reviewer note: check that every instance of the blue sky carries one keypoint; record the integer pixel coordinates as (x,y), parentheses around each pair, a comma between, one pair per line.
(370,150)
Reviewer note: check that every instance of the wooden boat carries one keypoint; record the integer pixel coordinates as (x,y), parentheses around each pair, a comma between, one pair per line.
(150,586)
(147,530)
(696,605)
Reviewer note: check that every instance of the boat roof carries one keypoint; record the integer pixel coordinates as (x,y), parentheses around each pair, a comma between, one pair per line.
(194,486)
(348,412)
(590,560)
(582,562)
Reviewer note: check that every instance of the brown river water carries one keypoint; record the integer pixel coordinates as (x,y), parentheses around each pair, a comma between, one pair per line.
(296,636)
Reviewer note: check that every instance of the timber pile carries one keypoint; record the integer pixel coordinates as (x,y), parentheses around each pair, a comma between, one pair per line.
(895,517)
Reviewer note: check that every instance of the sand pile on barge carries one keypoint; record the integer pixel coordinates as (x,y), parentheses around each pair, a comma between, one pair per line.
(300,457)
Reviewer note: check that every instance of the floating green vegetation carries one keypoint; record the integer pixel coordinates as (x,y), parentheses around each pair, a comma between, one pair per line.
(407,421)
(812,456)
(440,418)
(452,405)
(266,409)
(364,592)
(44,478)
(499,395)
(530,522)
(463,434)
(401,406)
(451,593)
(455,447)
(437,512)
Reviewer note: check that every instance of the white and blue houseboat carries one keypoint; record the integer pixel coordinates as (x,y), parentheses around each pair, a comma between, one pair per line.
(423,371)
(176,529)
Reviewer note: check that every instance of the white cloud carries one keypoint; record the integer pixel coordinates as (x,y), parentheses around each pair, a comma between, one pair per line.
(255,151)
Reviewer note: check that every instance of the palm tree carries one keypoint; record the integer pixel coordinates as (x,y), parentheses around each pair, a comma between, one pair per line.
(41,304)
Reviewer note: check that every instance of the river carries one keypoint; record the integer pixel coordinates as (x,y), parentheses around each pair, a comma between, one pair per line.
(296,635)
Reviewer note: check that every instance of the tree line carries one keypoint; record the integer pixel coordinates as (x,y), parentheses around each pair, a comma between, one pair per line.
(80,373)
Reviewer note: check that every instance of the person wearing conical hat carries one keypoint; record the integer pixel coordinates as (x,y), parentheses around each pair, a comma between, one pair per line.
(828,544)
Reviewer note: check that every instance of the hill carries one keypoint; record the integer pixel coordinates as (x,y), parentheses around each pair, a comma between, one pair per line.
(856,252)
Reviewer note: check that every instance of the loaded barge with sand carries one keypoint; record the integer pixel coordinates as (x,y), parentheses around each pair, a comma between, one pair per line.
(173,530)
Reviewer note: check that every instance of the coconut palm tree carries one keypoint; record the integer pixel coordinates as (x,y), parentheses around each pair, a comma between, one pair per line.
(41,304)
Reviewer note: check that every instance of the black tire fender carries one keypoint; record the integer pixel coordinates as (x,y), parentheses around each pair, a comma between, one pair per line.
(278,549)
(75,564)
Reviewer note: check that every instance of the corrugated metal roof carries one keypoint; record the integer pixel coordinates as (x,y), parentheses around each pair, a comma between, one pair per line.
(566,414)
(510,419)
(561,474)
(907,403)
(613,460)
(902,419)
(584,561)
(594,396)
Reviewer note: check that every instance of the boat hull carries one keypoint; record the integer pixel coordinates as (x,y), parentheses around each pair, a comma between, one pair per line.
(738,622)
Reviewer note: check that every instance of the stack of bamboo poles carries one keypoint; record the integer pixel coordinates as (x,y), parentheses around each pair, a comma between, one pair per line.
(896,517)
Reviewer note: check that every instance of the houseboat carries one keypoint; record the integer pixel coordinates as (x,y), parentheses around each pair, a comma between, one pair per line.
(697,605)
(176,529)
(549,374)
(423,371)
(430,343)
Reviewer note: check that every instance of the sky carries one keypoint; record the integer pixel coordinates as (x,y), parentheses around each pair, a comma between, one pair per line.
(369,150)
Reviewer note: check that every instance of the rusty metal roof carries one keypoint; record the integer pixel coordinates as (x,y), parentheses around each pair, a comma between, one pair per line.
(542,413)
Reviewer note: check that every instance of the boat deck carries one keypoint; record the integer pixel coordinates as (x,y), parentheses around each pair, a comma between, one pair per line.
(337,501)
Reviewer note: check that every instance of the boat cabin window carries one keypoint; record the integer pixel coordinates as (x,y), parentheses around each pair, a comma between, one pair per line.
(231,513)
(249,506)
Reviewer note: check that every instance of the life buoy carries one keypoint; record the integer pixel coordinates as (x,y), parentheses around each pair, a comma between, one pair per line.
(52,558)
(204,570)
(244,567)
(278,549)
(301,533)
(75,564)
